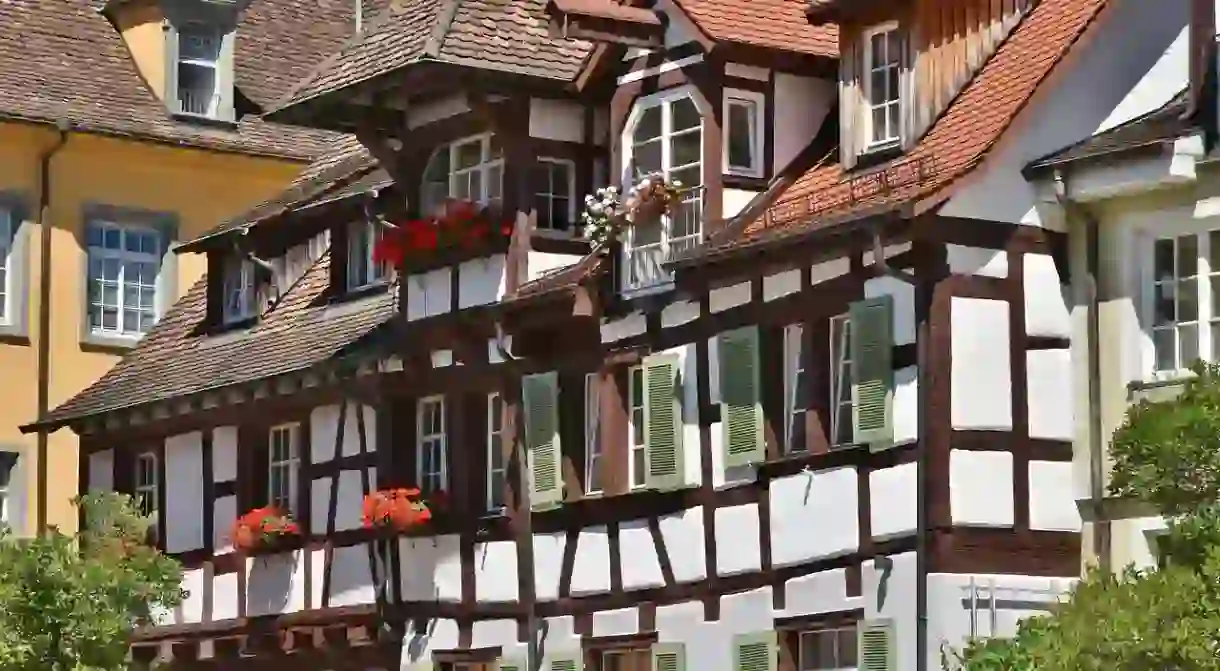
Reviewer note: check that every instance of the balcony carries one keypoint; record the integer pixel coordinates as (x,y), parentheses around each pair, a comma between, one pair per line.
(648,246)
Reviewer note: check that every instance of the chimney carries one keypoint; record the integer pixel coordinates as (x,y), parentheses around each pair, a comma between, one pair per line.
(1202,100)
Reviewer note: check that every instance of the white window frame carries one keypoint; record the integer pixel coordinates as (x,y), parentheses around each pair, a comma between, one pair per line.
(239,288)
(795,376)
(375,273)
(664,100)
(288,467)
(593,444)
(840,381)
(213,108)
(487,165)
(495,449)
(573,224)
(423,440)
(122,256)
(1148,284)
(632,446)
(8,241)
(838,632)
(756,103)
(895,70)
(145,463)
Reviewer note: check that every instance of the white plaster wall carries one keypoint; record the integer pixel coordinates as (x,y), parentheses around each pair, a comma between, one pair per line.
(906,405)
(736,539)
(591,570)
(1049,394)
(1129,39)
(481,281)
(542,263)
(643,568)
(495,571)
(617,329)
(814,515)
(101,471)
(348,504)
(1046,309)
(224,453)
(735,200)
(225,596)
(429,294)
(801,105)
(892,507)
(981,489)
(351,579)
(431,568)
(828,270)
(324,426)
(184,492)
(191,608)
(904,305)
(224,512)
(1052,501)
(781,284)
(275,583)
(965,260)
(684,531)
(561,120)
(548,564)
(1133,540)
(1015,597)
(729,297)
(980,372)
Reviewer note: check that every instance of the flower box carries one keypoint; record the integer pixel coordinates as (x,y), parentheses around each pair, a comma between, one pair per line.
(265,531)
(462,225)
(390,512)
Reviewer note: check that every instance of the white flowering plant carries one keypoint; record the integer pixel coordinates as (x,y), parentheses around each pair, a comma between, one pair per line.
(606,211)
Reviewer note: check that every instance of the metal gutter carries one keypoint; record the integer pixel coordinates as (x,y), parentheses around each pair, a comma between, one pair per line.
(44,313)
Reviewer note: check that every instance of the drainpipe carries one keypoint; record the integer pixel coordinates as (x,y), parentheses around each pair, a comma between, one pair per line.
(1101,526)
(44,312)
(923,299)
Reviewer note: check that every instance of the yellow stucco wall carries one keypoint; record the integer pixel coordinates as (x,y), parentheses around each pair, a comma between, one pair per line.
(140,24)
(200,188)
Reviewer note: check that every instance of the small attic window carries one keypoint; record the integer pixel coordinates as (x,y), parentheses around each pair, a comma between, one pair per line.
(882,69)
(239,290)
(199,68)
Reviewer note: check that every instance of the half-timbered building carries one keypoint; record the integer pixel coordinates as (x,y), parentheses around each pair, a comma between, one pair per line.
(810,415)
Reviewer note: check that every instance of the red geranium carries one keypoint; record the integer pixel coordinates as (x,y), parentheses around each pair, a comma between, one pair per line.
(462,224)
(261,527)
(397,509)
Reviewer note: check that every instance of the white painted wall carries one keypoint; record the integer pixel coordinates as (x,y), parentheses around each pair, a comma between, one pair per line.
(541,263)
(801,105)
(980,488)
(1089,91)
(980,373)
(734,201)
(561,120)
(184,499)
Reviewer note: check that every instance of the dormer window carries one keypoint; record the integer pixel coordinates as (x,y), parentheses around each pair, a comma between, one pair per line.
(881,83)
(198,69)
(743,132)
(362,270)
(239,288)
(471,169)
(199,60)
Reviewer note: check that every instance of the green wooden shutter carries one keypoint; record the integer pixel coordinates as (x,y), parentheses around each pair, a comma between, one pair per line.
(662,421)
(741,415)
(569,662)
(540,394)
(872,374)
(755,652)
(877,650)
(668,657)
(510,664)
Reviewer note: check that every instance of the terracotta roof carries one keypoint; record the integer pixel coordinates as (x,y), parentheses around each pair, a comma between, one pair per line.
(955,144)
(508,37)
(173,361)
(63,59)
(771,24)
(1160,125)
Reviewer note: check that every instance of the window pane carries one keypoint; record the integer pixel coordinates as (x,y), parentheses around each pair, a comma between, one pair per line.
(741,141)
(1188,344)
(1188,255)
(1163,260)
(847,648)
(1164,311)
(1163,344)
(1188,300)
(649,125)
(690,177)
(685,149)
(685,114)
(645,158)
(469,154)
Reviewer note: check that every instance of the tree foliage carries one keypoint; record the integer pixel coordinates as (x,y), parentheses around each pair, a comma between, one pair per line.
(1168,455)
(72,602)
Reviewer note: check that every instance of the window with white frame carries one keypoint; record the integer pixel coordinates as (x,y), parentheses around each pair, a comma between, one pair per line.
(497,473)
(593,442)
(828,649)
(362,269)
(1185,321)
(743,132)
(8,230)
(198,72)
(430,443)
(554,194)
(637,464)
(664,134)
(8,464)
(841,427)
(146,483)
(239,288)
(122,285)
(283,465)
(796,383)
(471,169)
(882,69)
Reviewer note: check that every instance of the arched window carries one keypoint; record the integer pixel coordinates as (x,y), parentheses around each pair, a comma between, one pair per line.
(664,133)
(470,169)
